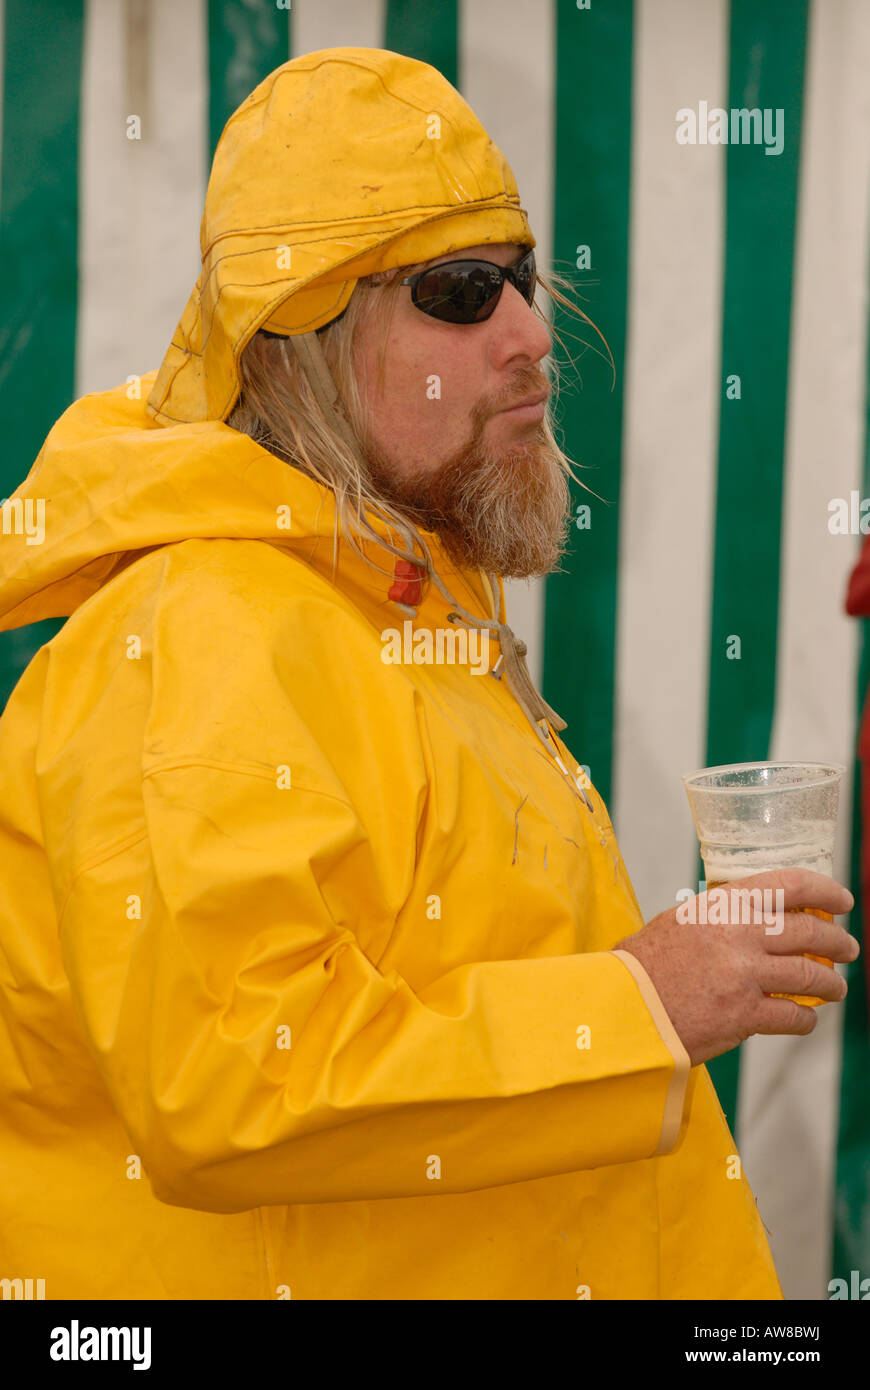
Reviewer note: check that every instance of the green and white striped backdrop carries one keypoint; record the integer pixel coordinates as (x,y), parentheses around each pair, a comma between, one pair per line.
(707,262)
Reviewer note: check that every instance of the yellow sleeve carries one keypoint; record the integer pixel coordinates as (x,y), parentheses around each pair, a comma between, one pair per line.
(257,1056)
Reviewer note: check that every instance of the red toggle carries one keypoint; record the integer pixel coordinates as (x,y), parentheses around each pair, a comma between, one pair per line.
(408,585)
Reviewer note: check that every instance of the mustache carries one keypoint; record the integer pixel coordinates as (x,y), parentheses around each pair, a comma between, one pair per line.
(528,381)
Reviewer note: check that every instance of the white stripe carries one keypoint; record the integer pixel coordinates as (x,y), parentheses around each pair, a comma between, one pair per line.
(320,24)
(670,444)
(789,1087)
(140,201)
(506,73)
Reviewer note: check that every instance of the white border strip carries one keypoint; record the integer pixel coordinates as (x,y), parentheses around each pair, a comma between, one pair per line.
(317,24)
(506,74)
(670,444)
(140,201)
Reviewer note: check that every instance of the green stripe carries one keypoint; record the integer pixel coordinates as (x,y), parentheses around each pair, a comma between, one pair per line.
(767,55)
(246,41)
(592,188)
(38,252)
(413,29)
(851,1234)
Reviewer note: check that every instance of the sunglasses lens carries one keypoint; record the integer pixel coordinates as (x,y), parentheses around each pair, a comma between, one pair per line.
(527,277)
(468,291)
(463,292)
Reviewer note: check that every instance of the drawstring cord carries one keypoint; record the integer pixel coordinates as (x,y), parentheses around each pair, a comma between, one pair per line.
(513,654)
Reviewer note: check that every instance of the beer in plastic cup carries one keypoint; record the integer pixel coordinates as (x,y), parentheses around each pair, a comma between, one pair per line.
(753,817)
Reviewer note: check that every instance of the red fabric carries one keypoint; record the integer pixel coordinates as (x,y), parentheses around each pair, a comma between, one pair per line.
(408,586)
(858,606)
(858,592)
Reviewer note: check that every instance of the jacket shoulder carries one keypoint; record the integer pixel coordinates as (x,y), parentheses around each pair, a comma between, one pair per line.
(231,651)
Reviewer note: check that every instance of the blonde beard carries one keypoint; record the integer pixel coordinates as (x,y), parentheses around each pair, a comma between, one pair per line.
(503,508)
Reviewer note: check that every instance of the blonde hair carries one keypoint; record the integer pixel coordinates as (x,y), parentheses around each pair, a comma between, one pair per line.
(278,409)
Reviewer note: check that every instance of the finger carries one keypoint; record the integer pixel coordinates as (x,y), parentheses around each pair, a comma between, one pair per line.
(800,975)
(800,931)
(802,888)
(784,1016)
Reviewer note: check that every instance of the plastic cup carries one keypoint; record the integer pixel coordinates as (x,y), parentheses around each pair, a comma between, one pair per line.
(753,817)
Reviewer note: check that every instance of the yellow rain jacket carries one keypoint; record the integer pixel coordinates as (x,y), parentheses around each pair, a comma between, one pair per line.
(307,979)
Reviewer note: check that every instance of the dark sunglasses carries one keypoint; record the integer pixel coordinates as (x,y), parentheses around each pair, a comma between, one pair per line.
(468,291)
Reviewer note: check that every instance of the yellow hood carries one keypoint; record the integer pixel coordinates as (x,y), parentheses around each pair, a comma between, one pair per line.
(294,217)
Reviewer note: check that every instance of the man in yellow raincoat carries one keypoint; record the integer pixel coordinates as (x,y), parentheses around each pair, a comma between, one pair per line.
(321,974)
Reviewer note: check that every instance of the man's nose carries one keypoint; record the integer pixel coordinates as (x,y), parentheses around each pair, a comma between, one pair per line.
(518,327)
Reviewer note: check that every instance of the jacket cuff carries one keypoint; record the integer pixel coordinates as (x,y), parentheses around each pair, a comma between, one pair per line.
(675,1099)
